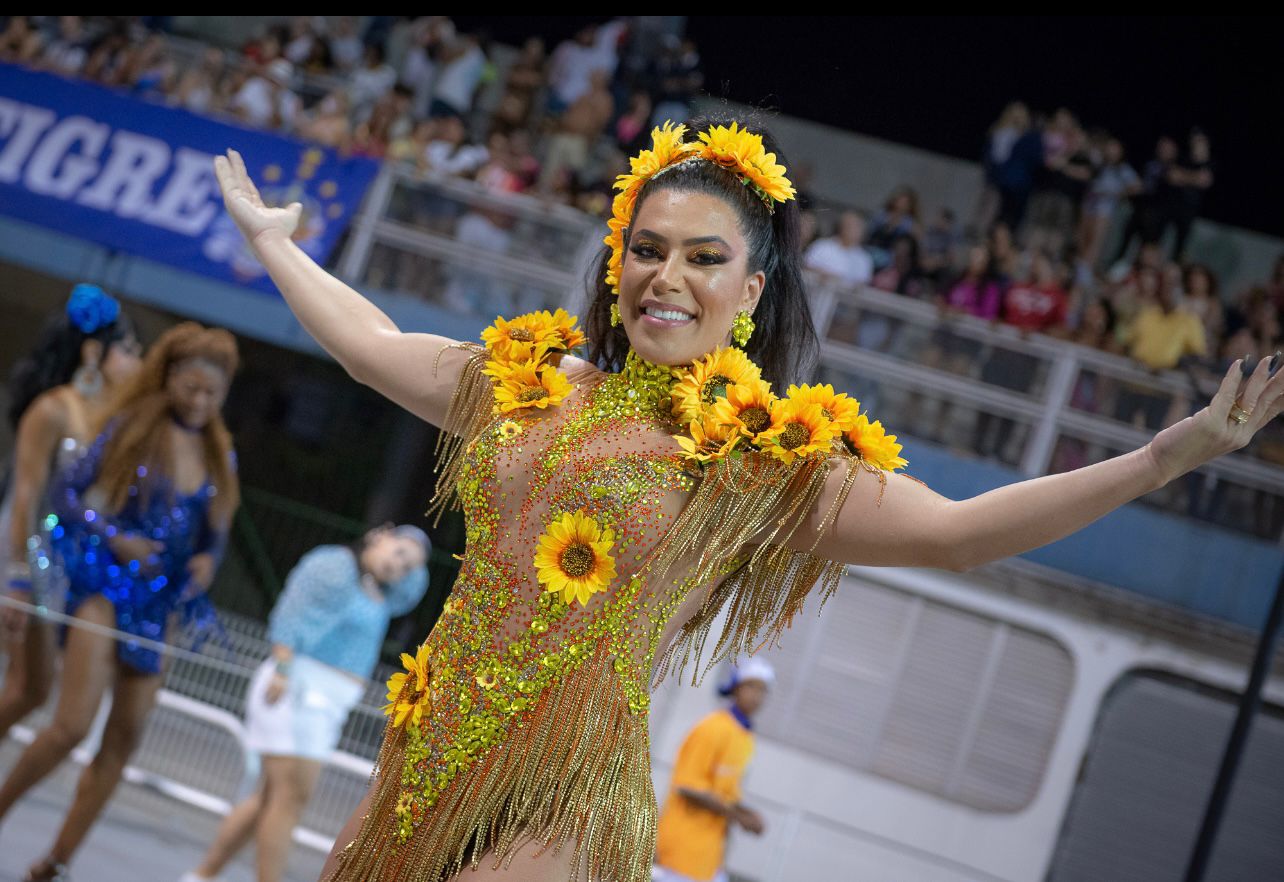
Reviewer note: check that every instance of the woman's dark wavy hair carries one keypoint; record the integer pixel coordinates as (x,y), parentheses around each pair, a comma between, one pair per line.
(56,357)
(784,341)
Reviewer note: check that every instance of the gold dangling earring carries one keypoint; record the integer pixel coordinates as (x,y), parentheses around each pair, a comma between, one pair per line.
(615,315)
(742,328)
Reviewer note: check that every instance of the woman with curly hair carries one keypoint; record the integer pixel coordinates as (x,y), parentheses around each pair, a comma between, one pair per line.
(143,519)
(58,393)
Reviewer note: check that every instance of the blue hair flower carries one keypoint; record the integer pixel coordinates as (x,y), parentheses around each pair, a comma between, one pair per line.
(90,308)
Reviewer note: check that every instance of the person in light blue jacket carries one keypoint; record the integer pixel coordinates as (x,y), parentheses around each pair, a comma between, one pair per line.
(327,629)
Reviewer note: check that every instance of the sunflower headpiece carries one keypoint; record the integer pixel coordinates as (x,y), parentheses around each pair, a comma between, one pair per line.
(735,149)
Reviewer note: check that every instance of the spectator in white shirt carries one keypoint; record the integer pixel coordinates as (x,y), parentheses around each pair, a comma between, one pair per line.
(841,257)
(369,83)
(266,101)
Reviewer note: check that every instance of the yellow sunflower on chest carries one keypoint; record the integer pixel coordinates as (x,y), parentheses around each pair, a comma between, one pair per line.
(573,557)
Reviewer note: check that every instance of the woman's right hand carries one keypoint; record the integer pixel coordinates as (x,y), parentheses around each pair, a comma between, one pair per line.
(133,546)
(245,206)
(276,688)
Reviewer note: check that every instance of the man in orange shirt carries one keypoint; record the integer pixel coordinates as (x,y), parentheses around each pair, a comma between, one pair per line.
(704,795)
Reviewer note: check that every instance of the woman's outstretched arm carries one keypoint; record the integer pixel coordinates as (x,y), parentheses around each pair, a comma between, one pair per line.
(369,346)
(915,526)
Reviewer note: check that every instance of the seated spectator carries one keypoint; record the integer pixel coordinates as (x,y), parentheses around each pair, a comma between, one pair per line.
(328,123)
(458,73)
(419,65)
(345,44)
(978,291)
(197,87)
(303,38)
(388,121)
(1039,303)
(1091,388)
(902,274)
(570,69)
(808,229)
(263,48)
(147,69)
(67,53)
(898,218)
(106,58)
(413,147)
(20,42)
(1005,259)
(501,173)
(266,101)
(1096,328)
(633,128)
(941,241)
(1200,298)
(841,257)
(1162,335)
(451,154)
(370,82)
(526,77)
(570,147)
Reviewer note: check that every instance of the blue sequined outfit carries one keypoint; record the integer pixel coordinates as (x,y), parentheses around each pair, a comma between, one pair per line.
(144,601)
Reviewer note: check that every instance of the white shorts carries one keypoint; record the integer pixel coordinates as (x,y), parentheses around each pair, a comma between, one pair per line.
(308,719)
(662,874)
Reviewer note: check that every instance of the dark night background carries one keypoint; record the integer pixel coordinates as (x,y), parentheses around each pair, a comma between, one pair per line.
(938,83)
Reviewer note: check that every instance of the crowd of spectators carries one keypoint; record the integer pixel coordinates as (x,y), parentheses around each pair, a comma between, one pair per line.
(417,90)
(1070,238)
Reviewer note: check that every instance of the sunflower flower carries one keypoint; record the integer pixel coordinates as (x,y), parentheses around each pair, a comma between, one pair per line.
(746,409)
(708,439)
(797,429)
(839,407)
(565,327)
(527,385)
(408,691)
(742,151)
(709,380)
(534,334)
(574,557)
(871,443)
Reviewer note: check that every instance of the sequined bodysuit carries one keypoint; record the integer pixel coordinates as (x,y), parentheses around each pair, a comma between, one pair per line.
(537,723)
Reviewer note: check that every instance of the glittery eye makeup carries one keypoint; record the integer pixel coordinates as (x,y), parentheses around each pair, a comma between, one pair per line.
(708,255)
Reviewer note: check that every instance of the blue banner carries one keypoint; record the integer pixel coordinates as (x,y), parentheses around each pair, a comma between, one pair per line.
(139,177)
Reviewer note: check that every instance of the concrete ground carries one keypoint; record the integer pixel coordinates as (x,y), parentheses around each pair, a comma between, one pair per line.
(143,836)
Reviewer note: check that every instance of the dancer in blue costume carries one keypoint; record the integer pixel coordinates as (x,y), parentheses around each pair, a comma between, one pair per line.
(58,394)
(143,520)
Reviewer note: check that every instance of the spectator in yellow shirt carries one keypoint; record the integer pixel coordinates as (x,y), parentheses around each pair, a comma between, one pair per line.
(1163,334)
(704,795)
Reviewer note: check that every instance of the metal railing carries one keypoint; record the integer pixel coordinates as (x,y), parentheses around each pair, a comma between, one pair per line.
(453,243)
(1036,403)
(193,746)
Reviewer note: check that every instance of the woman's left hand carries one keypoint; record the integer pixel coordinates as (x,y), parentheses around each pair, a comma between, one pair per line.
(200,573)
(1187,445)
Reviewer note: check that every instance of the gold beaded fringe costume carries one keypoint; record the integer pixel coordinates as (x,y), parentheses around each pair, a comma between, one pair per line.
(605,515)
(534,719)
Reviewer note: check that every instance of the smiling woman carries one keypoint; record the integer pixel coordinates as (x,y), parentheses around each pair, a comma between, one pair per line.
(616,504)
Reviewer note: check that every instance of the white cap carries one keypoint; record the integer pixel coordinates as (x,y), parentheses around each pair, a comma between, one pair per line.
(749,669)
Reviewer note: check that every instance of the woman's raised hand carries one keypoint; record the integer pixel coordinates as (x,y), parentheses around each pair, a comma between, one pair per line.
(244,204)
(1212,432)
